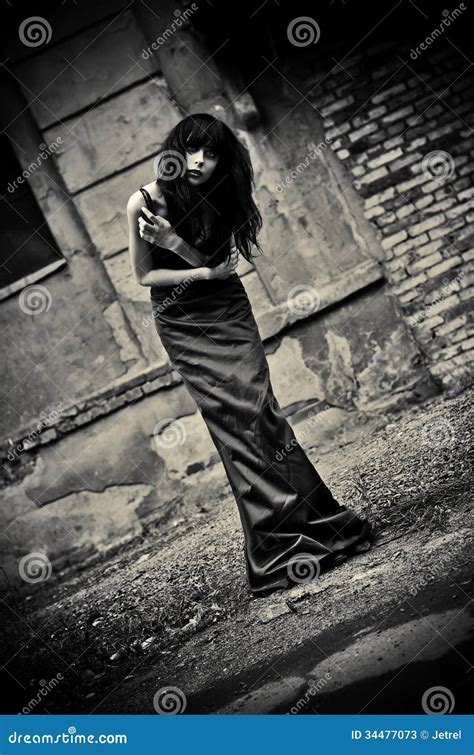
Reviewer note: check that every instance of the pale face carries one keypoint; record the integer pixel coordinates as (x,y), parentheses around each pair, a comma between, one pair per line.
(200,164)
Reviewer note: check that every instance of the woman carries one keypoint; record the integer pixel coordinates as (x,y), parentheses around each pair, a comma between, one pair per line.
(184,244)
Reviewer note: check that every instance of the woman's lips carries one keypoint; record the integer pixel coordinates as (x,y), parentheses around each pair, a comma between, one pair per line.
(195,172)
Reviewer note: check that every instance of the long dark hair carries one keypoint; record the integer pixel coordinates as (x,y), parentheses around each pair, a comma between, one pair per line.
(228,191)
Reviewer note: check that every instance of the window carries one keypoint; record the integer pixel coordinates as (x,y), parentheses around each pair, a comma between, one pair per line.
(28,251)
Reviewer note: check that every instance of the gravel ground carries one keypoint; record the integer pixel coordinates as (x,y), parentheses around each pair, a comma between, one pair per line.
(174,607)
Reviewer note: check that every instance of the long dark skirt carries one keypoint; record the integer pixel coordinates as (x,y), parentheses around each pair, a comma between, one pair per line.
(293,526)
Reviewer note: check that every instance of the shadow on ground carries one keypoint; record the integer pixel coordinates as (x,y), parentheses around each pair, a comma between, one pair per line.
(173,608)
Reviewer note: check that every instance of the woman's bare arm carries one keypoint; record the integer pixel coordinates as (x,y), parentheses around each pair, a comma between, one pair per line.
(141,258)
(158,230)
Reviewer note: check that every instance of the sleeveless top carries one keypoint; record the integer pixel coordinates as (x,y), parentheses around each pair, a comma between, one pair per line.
(166,259)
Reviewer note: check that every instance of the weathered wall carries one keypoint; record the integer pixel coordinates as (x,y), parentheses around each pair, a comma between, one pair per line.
(403,131)
(77,337)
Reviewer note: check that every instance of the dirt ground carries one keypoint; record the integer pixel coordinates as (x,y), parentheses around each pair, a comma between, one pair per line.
(173,610)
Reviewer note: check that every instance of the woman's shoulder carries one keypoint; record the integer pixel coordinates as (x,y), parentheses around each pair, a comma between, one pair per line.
(137,200)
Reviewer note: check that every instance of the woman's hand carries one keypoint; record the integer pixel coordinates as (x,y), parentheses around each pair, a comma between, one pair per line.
(157,231)
(225,268)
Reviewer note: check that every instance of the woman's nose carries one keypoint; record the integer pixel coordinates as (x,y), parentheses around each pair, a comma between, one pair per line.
(198,158)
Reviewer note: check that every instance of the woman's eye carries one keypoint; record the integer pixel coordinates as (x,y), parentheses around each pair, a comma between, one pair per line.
(192,151)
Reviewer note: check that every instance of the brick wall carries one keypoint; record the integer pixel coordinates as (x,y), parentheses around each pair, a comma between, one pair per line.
(410,153)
